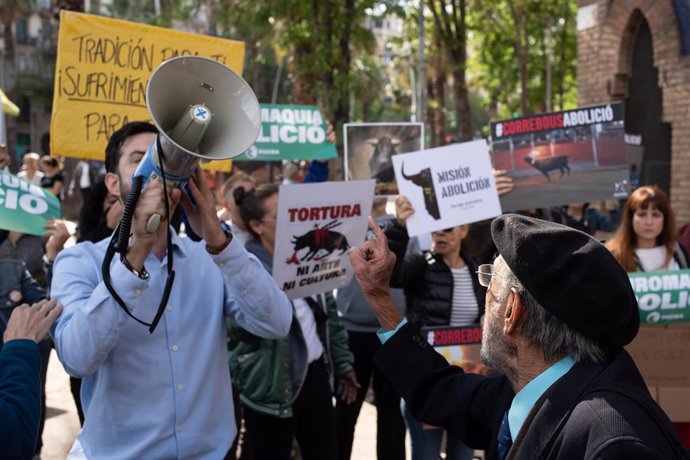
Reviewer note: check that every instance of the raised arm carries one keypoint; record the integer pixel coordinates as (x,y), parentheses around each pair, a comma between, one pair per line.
(373,263)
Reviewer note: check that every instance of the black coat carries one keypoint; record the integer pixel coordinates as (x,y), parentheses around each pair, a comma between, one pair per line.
(592,412)
(427,281)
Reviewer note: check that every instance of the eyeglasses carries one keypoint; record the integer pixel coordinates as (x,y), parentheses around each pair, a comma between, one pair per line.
(445,230)
(484,273)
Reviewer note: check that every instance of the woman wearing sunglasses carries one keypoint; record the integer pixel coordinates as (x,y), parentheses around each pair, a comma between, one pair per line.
(440,290)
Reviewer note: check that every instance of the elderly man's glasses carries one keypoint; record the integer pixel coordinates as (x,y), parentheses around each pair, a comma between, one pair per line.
(484,273)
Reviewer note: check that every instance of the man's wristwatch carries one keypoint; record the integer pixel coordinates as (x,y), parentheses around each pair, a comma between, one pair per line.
(142,274)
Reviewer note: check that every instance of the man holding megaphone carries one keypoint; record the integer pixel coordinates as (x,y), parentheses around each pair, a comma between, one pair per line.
(161,392)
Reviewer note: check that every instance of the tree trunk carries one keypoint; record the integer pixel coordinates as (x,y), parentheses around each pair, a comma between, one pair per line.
(435,115)
(341,110)
(462,102)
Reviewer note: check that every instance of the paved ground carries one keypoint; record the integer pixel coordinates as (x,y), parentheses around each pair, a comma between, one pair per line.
(62,423)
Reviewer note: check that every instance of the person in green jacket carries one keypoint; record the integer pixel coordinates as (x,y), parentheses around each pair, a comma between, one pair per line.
(286,386)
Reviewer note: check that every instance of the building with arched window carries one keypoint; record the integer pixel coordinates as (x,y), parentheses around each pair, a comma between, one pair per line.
(638,52)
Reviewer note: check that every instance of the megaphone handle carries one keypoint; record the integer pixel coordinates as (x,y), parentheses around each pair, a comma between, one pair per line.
(153,223)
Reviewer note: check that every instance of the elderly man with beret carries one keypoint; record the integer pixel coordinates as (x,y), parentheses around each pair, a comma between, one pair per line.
(559,310)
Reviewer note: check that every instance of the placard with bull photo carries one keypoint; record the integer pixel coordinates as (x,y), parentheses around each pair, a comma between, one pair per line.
(316,225)
(574,156)
(370,147)
(448,186)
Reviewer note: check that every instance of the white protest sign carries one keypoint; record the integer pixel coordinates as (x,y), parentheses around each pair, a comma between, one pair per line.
(316,225)
(447,186)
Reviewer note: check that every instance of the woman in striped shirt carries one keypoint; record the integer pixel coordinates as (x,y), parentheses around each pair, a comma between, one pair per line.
(440,290)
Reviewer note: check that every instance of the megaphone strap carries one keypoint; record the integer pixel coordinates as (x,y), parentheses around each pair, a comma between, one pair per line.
(119,242)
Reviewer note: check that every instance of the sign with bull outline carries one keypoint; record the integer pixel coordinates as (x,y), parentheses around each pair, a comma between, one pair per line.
(448,186)
(316,225)
(370,147)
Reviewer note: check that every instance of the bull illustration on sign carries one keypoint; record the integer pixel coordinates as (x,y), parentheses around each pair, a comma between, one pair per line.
(320,243)
(380,162)
(424,180)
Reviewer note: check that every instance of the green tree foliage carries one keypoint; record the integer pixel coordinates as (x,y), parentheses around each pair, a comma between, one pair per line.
(483,59)
(512,42)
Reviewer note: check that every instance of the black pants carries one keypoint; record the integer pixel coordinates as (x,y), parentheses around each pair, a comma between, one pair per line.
(312,423)
(390,426)
(75,388)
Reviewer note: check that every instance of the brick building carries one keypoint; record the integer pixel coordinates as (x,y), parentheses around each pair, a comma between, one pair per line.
(638,52)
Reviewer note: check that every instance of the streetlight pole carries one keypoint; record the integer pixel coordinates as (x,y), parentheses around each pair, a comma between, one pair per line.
(421,70)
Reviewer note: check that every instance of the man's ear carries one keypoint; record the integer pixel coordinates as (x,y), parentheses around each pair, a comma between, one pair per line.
(112,183)
(513,312)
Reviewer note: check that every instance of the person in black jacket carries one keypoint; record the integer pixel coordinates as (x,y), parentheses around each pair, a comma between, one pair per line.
(440,290)
(559,310)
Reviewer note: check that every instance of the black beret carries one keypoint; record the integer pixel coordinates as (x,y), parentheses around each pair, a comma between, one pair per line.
(571,275)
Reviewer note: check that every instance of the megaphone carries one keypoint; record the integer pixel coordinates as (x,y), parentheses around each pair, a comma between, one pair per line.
(203,111)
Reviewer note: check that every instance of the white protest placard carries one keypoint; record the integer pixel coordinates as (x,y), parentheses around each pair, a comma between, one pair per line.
(447,186)
(316,225)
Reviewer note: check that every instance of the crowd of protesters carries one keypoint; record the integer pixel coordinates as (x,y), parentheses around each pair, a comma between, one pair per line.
(236,370)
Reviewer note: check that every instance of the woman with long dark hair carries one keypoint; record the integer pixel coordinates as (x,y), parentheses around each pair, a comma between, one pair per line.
(647,237)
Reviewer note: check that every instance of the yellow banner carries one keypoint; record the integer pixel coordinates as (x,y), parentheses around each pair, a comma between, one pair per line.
(103,66)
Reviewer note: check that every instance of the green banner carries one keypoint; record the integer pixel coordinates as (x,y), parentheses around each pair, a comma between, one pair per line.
(25,207)
(290,132)
(663,297)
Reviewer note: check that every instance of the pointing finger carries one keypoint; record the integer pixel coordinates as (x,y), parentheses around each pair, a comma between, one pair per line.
(381,240)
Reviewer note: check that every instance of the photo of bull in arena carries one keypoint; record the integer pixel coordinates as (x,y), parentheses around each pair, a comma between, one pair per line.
(370,147)
(557,158)
(545,165)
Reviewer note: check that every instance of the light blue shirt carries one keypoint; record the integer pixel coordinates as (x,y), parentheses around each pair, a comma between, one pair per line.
(385,335)
(164,395)
(530,393)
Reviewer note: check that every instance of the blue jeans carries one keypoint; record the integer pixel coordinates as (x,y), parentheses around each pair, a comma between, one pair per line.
(426,444)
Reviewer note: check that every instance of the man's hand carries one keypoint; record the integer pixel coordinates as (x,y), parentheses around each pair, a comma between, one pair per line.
(58,236)
(151,201)
(330,133)
(348,387)
(403,209)
(504,184)
(32,322)
(202,216)
(373,264)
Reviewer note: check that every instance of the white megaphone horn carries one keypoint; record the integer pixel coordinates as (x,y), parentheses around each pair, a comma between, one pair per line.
(203,110)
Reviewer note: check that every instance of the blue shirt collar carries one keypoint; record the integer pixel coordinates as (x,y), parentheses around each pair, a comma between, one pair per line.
(175,239)
(528,396)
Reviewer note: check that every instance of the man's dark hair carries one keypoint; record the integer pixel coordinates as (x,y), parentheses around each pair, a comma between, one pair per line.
(112,150)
